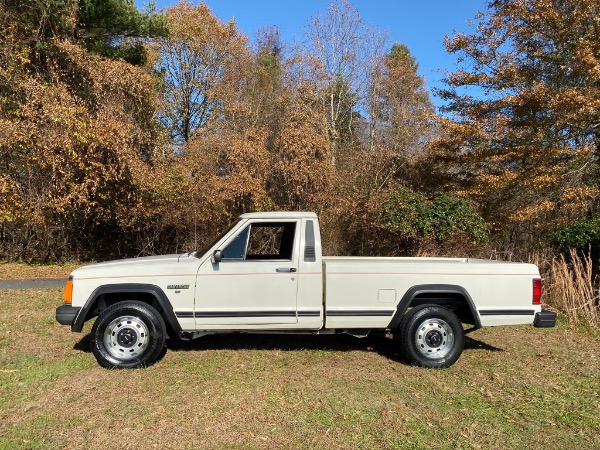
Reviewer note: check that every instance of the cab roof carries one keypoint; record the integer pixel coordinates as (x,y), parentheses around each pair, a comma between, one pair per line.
(279,215)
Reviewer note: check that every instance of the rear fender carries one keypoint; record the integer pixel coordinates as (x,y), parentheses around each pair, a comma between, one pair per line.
(439,290)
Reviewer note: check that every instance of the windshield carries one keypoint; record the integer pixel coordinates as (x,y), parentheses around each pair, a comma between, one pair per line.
(200,253)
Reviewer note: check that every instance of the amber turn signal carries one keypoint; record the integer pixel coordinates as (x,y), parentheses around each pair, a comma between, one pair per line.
(68,295)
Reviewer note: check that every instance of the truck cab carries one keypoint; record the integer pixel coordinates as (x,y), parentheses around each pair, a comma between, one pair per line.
(265,272)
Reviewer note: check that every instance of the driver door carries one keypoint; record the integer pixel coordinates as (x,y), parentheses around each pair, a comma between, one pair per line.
(256,281)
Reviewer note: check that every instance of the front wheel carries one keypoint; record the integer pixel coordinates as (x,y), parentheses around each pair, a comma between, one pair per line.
(128,335)
(431,336)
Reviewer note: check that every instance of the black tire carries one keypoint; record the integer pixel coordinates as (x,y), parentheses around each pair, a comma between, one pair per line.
(128,335)
(431,336)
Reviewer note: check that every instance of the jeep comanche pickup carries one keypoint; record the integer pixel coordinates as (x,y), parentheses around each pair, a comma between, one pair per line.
(266,274)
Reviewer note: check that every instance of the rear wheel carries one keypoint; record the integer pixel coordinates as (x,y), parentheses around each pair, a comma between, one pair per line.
(431,336)
(128,335)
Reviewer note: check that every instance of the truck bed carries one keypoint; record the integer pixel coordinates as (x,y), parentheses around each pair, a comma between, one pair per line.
(365,291)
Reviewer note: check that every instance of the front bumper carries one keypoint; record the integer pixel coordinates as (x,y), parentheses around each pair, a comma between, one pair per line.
(66,314)
(544,319)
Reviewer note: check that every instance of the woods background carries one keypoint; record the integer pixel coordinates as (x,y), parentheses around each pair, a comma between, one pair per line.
(127,132)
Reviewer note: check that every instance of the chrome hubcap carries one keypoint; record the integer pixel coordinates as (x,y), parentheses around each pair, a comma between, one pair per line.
(434,338)
(126,337)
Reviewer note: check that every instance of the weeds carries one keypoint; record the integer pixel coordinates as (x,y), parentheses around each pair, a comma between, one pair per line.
(572,288)
(571,283)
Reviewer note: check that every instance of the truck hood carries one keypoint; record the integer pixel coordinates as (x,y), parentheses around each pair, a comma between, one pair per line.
(146,265)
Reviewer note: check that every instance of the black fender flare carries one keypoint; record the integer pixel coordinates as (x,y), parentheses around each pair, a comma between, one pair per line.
(420,289)
(128,288)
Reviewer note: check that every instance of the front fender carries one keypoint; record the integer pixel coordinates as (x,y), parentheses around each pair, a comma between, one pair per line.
(127,288)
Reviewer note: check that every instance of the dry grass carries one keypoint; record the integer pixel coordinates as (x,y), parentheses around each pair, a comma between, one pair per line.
(16,271)
(514,387)
(573,289)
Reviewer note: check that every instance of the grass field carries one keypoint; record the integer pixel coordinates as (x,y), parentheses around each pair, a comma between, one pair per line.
(514,387)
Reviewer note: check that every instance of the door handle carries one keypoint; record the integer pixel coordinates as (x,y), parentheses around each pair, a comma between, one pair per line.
(286,269)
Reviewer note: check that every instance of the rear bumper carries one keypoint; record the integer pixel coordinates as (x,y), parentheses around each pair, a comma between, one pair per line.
(65,314)
(545,319)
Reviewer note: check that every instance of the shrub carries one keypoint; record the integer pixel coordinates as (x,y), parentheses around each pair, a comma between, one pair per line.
(449,215)
(444,216)
(402,221)
(403,213)
(580,235)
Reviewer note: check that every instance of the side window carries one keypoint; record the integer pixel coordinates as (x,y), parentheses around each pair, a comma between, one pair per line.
(271,241)
(262,241)
(236,250)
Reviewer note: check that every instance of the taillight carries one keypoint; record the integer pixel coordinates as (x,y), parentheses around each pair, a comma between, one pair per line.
(68,295)
(537,291)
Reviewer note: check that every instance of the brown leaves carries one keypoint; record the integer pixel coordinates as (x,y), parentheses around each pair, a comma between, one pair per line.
(194,61)
(302,167)
(70,144)
(532,138)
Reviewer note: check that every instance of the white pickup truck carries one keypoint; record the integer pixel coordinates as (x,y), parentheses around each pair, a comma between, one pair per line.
(266,274)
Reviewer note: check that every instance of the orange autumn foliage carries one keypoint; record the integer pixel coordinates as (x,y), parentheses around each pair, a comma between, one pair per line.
(522,130)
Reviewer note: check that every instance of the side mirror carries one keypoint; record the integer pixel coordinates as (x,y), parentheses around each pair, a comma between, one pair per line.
(217,257)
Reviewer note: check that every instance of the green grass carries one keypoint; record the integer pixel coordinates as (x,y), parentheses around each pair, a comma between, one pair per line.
(514,387)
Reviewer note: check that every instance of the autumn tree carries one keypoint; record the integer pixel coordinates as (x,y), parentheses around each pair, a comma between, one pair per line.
(522,123)
(393,131)
(302,173)
(374,111)
(77,140)
(331,59)
(268,89)
(367,90)
(403,115)
(192,61)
